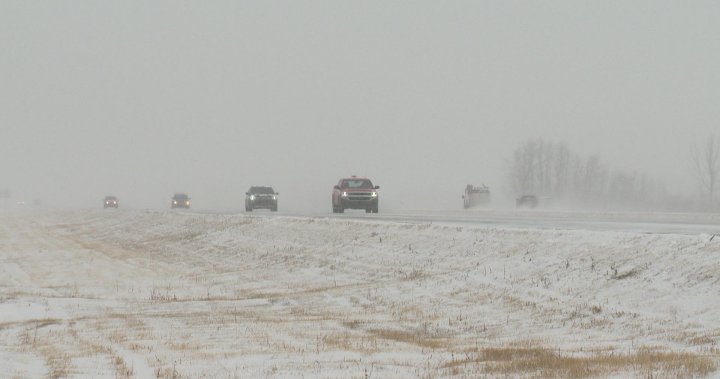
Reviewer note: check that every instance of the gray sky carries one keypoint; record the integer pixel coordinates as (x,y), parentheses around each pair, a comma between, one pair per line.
(141,99)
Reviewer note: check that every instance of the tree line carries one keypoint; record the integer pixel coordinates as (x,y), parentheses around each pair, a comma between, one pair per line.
(555,173)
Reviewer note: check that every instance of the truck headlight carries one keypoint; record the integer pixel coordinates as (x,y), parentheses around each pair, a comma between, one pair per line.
(174,202)
(374,194)
(274,197)
(344,194)
(252,197)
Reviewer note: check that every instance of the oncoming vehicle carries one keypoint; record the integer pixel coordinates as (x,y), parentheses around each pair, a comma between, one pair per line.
(180,200)
(261,198)
(355,193)
(526,201)
(476,196)
(110,202)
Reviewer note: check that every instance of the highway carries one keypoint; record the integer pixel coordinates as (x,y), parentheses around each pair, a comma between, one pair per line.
(642,222)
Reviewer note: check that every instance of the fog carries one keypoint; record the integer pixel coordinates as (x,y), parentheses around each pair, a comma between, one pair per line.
(143,99)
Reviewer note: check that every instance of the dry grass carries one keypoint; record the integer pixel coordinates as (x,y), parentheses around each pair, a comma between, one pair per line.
(413,275)
(695,338)
(594,323)
(159,297)
(417,338)
(540,362)
(349,342)
(58,363)
(627,274)
(122,371)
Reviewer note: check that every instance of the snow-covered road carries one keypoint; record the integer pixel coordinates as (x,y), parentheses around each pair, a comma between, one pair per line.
(123,293)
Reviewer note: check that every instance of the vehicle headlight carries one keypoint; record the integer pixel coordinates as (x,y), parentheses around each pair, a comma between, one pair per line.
(344,194)
(187,202)
(252,197)
(274,197)
(374,194)
(174,202)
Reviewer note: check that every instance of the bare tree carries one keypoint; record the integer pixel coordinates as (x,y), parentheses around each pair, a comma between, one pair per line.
(532,168)
(594,178)
(561,169)
(622,187)
(522,172)
(547,168)
(546,162)
(706,165)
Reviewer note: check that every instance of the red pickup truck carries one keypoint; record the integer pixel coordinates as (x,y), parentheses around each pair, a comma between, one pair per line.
(355,193)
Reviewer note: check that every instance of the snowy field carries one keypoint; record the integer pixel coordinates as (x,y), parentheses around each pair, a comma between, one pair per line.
(144,294)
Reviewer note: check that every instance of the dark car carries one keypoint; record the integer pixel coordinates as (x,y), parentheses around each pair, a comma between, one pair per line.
(526,201)
(355,193)
(110,202)
(180,200)
(261,198)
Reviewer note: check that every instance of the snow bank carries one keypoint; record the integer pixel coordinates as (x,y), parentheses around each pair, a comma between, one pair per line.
(127,293)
